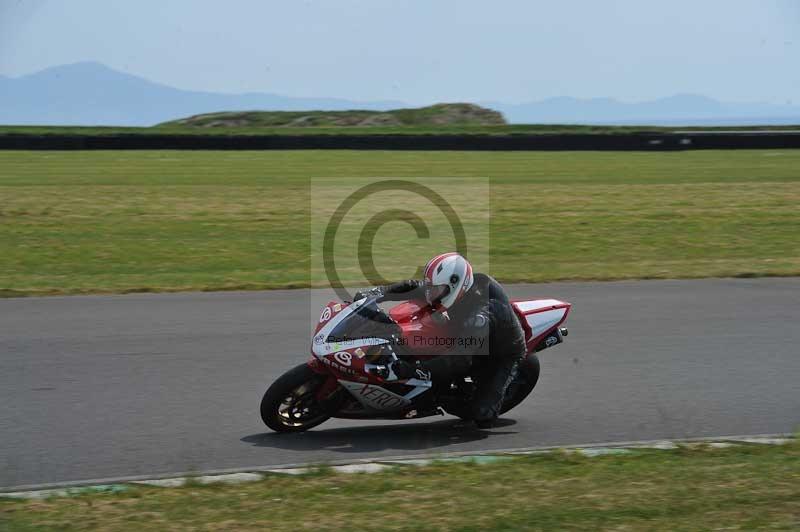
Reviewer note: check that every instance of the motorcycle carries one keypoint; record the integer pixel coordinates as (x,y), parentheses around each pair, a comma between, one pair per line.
(355,345)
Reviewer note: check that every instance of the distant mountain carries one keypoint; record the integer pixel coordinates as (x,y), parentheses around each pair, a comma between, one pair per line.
(684,109)
(93,94)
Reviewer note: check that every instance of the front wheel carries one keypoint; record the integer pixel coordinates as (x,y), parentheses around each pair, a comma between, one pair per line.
(290,404)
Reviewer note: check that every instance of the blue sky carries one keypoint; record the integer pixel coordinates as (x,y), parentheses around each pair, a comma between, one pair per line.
(423,51)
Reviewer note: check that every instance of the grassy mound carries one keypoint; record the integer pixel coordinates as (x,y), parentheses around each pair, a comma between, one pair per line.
(445,114)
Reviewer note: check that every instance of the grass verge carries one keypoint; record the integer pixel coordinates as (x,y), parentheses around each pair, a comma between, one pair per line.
(743,487)
(97,222)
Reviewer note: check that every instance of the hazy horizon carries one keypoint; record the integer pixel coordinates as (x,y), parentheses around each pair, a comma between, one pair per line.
(515,52)
(236,93)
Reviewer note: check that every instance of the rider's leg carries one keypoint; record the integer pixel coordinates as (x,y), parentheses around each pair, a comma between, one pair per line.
(492,388)
(447,367)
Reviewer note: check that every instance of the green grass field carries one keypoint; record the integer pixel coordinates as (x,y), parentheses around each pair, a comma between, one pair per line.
(121,221)
(739,488)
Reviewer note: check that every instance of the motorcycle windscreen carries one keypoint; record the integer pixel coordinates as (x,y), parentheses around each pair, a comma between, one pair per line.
(366,322)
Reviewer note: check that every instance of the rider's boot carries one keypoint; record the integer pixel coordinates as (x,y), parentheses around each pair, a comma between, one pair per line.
(491,390)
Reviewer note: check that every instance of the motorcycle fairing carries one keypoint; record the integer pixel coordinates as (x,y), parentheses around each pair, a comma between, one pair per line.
(376,397)
(539,317)
(416,320)
(347,362)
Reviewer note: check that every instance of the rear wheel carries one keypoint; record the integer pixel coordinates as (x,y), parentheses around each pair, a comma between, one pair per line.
(290,404)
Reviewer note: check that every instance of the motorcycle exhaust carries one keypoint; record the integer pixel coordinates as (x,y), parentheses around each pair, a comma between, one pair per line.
(554,338)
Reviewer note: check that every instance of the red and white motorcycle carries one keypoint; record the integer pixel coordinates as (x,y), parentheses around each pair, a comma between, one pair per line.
(354,347)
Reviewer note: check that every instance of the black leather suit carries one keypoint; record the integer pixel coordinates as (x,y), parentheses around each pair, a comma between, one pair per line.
(484,312)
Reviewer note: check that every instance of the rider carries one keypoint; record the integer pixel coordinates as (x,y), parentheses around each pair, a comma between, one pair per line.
(473,307)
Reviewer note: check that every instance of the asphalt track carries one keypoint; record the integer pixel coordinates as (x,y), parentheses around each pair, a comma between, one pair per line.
(113,386)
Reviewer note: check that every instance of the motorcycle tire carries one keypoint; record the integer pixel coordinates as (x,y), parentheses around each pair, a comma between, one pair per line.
(289,404)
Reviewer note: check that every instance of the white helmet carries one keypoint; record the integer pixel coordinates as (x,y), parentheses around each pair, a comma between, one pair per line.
(447,279)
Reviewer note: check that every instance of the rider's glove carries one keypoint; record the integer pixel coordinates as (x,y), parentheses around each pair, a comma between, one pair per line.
(405,370)
(377,291)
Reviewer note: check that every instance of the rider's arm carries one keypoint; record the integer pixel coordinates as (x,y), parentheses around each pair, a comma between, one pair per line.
(476,333)
(404,290)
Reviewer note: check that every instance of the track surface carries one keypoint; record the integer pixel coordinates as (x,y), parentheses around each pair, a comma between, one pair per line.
(109,386)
